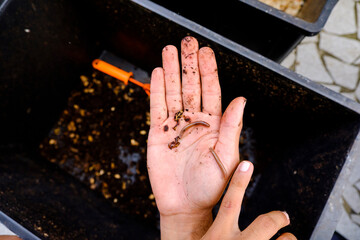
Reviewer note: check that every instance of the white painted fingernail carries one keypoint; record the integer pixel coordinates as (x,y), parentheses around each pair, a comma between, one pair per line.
(286,215)
(244,166)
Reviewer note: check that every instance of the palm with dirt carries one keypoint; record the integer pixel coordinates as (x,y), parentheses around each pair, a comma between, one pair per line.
(187,180)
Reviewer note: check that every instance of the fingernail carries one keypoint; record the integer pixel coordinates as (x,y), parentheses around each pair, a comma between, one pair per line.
(286,215)
(244,166)
(245,100)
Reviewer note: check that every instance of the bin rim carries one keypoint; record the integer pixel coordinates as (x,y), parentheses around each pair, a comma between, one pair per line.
(309,28)
(16,228)
(251,55)
(331,213)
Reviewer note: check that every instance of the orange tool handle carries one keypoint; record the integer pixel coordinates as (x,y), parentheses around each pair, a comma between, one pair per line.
(119,74)
(112,70)
(145,86)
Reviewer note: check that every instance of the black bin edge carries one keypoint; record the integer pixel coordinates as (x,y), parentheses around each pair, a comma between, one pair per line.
(308,28)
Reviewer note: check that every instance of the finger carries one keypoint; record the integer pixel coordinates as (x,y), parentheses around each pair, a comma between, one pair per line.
(230,207)
(287,236)
(172,79)
(210,86)
(267,225)
(191,89)
(229,133)
(9,237)
(158,110)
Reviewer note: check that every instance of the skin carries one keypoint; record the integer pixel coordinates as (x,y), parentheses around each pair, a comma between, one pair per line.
(225,225)
(8,237)
(187,181)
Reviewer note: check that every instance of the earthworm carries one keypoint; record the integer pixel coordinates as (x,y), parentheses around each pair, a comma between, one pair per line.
(218,161)
(191,125)
(176,142)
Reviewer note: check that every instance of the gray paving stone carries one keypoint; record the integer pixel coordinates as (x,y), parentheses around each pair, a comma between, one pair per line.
(335,88)
(348,228)
(358,18)
(357,61)
(352,198)
(355,172)
(310,65)
(355,218)
(313,39)
(343,74)
(342,18)
(357,185)
(4,230)
(357,93)
(289,60)
(344,48)
(350,95)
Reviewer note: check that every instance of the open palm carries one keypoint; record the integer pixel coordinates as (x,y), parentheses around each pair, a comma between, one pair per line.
(185,177)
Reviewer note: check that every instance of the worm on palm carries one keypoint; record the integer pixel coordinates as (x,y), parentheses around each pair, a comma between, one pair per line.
(218,161)
(176,143)
(191,125)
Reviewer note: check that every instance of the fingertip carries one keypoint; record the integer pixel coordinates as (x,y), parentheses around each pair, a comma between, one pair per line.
(244,166)
(266,225)
(189,39)
(242,175)
(287,217)
(206,50)
(286,236)
(241,101)
(156,71)
(169,48)
(157,79)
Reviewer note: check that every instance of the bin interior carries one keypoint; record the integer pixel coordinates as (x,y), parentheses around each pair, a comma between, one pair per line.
(311,10)
(255,25)
(298,139)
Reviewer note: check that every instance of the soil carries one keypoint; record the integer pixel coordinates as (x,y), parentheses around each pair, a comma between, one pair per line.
(291,7)
(100,138)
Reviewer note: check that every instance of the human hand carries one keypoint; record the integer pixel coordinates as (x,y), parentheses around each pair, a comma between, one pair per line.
(186,180)
(9,237)
(226,226)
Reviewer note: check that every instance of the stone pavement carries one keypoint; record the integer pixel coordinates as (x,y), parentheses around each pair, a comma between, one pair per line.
(332,59)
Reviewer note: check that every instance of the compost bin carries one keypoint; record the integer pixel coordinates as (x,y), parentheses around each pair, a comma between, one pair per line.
(255,25)
(301,136)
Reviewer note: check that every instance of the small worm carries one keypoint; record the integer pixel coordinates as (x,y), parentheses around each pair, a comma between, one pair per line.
(191,125)
(174,143)
(177,117)
(218,161)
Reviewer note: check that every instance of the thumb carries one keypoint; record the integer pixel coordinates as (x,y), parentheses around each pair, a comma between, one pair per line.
(230,207)
(227,146)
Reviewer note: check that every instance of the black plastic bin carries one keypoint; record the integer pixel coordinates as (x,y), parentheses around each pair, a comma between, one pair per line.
(303,136)
(255,25)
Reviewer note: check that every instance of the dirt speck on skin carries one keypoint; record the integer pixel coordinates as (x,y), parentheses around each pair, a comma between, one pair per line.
(184,71)
(166,128)
(187,39)
(189,55)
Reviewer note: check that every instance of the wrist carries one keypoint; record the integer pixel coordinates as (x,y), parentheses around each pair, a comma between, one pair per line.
(185,226)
